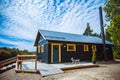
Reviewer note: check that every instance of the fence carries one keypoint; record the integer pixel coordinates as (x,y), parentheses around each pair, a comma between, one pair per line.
(7,61)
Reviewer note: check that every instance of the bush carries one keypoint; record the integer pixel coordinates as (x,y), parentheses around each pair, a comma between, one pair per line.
(6,52)
(4,55)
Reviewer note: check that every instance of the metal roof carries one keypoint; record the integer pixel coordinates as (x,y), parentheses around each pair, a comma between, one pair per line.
(61,36)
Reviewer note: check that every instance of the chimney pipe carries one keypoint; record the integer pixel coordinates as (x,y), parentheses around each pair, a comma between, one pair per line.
(102,33)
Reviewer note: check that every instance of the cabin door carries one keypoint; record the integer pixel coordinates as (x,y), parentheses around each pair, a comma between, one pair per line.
(55,53)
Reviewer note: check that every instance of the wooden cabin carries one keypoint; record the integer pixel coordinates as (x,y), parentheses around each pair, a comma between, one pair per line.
(57,47)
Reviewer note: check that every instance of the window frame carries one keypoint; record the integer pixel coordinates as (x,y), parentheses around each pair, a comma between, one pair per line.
(39,49)
(73,45)
(86,47)
(42,48)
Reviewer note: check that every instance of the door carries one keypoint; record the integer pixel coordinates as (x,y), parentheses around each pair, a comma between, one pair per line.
(55,53)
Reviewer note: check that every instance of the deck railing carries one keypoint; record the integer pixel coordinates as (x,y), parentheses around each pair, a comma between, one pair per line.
(25,58)
(7,61)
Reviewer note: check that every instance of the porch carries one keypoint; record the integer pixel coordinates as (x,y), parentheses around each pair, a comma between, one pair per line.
(49,69)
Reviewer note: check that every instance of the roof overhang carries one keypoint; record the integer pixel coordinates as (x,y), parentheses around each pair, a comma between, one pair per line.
(37,38)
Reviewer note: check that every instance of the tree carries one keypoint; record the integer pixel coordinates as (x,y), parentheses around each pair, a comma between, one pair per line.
(107,36)
(14,52)
(112,10)
(88,31)
(95,34)
(4,54)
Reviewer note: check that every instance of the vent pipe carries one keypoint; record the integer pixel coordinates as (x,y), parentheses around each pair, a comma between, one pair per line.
(102,33)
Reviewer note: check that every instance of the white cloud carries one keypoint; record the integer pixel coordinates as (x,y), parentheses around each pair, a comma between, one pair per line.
(25,17)
(19,44)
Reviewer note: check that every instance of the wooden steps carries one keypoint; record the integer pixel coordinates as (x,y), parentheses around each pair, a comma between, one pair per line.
(7,62)
(8,67)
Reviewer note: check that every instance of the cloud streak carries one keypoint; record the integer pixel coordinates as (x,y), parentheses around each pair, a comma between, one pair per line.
(22,18)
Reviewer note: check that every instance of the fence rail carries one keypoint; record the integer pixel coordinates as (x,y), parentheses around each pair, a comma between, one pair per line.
(7,61)
(25,58)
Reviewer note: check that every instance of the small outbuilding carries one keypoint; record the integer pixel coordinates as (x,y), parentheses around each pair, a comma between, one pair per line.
(57,47)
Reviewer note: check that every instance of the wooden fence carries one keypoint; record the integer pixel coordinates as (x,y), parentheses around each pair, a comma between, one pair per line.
(25,58)
(7,61)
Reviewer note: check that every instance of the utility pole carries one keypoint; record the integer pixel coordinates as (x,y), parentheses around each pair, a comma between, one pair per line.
(102,33)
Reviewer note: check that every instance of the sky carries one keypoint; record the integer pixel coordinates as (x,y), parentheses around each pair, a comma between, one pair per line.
(21,19)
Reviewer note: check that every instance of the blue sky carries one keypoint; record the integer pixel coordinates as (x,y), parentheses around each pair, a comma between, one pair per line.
(21,19)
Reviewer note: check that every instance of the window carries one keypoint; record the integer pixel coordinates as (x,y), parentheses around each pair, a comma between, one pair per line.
(71,47)
(42,48)
(86,48)
(38,49)
(94,47)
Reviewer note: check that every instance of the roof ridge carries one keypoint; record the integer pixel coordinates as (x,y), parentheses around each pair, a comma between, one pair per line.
(69,33)
(61,32)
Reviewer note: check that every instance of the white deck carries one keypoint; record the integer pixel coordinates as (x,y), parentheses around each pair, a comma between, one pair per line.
(43,68)
(49,69)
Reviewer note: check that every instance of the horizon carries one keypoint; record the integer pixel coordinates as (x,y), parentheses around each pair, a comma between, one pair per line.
(20,20)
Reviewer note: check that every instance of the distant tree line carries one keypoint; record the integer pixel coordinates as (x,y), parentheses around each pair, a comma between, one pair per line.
(6,53)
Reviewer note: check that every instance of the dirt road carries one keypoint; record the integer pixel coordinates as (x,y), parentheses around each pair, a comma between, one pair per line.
(107,71)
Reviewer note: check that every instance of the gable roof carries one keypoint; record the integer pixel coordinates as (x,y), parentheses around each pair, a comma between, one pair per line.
(68,37)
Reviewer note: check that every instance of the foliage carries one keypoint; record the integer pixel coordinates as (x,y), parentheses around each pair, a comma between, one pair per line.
(6,52)
(95,34)
(107,36)
(112,10)
(89,31)
(114,31)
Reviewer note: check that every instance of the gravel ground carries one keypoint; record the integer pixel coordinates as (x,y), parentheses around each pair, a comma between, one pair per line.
(109,70)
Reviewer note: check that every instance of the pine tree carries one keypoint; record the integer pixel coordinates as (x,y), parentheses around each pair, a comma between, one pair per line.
(88,31)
